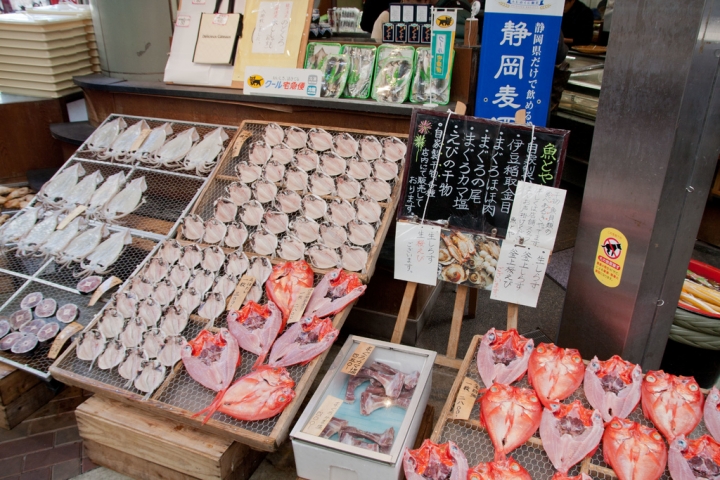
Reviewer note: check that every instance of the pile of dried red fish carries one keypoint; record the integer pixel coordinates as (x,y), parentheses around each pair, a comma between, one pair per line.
(305,195)
(260,329)
(569,431)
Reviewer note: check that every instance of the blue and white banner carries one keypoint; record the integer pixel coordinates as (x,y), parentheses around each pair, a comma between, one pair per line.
(517,60)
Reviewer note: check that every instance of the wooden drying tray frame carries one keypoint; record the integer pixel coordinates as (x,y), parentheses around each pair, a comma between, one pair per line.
(268,443)
(586,465)
(389,208)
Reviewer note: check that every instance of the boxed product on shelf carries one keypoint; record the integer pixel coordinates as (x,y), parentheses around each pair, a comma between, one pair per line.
(369,417)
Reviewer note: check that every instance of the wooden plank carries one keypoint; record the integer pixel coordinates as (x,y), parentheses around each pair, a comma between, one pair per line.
(129,465)
(456,325)
(151,438)
(455,363)
(426,425)
(25,405)
(512,316)
(445,413)
(14,382)
(402,317)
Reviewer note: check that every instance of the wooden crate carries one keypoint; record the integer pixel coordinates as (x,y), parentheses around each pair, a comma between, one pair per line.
(21,395)
(146,446)
(244,135)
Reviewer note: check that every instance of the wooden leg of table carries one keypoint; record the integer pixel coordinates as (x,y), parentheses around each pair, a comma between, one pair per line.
(407,300)
(512,316)
(472,302)
(457,317)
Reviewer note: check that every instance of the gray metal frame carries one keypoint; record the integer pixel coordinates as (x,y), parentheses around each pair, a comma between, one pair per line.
(656,144)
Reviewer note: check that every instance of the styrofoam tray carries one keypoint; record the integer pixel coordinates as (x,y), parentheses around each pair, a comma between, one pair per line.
(55,52)
(48,79)
(43,36)
(42,70)
(31,44)
(44,62)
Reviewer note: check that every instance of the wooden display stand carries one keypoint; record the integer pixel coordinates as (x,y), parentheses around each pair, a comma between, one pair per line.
(146,446)
(21,395)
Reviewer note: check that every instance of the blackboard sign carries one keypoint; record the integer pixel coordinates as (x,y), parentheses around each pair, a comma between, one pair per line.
(476,165)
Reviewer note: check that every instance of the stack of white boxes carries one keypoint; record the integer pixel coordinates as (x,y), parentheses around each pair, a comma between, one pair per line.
(42,49)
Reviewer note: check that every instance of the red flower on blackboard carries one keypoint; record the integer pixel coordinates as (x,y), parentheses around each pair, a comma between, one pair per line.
(424,127)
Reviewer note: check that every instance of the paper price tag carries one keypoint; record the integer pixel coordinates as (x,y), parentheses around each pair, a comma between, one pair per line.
(519,274)
(239,141)
(416,257)
(300,303)
(71,216)
(139,140)
(104,287)
(358,358)
(465,399)
(183,21)
(63,337)
(220,19)
(323,415)
(241,291)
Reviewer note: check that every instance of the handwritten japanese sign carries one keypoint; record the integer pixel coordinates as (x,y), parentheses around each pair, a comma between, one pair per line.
(519,274)
(463,172)
(416,252)
(241,291)
(465,399)
(535,215)
(303,297)
(520,39)
(323,415)
(271,30)
(358,358)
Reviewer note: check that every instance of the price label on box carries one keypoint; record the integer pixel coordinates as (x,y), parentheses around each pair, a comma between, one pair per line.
(323,415)
(465,399)
(358,358)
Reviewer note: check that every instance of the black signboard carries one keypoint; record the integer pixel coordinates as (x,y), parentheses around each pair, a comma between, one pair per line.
(476,164)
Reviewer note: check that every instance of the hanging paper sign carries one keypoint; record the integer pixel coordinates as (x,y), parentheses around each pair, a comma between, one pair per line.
(271,29)
(416,249)
(535,215)
(519,41)
(519,274)
(282,82)
(443,39)
(479,164)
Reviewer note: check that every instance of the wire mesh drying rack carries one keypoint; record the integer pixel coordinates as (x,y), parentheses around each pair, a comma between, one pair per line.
(179,397)
(169,196)
(475,443)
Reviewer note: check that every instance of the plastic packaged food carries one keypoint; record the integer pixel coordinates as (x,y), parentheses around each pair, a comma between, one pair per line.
(317,53)
(393,73)
(424,87)
(362,63)
(335,71)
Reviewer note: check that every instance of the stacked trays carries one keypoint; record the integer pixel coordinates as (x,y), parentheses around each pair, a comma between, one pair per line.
(474,442)
(168,197)
(179,396)
(229,176)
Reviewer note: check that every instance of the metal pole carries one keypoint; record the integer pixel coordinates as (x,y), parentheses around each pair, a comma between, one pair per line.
(656,144)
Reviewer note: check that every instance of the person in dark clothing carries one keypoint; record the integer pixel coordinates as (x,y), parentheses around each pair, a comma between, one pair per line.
(371,11)
(577,23)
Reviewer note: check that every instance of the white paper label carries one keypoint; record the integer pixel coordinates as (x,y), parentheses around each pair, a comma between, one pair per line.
(416,253)
(421,13)
(519,274)
(183,21)
(535,215)
(408,15)
(198,2)
(220,19)
(395,13)
(271,30)
(282,82)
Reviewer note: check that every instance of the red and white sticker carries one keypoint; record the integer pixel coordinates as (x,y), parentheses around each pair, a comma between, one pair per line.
(183,21)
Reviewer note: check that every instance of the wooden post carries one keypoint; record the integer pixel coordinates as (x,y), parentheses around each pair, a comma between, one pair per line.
(512,316)
(456,324)
(472,302)
(407,300)
(471,32)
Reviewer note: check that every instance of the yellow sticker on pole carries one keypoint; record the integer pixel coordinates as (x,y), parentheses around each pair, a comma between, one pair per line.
(610,258)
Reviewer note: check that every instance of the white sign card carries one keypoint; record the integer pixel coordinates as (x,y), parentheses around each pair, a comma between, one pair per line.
(395,13)
(271,29)
(408,15)
(519,274)
(282,82)
(535,215)
(416,252)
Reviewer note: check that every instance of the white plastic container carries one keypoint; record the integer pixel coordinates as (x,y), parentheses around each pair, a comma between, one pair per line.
(318,458)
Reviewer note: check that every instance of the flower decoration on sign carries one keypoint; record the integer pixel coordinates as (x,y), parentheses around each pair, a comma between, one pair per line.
(424,127)
(419,142)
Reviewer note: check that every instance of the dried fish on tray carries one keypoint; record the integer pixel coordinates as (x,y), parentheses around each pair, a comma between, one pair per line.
(332,206)
(473,440)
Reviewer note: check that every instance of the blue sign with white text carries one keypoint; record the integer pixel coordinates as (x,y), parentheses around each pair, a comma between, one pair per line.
(517,60)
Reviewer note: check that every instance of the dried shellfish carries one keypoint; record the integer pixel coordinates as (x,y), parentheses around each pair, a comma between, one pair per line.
(263,242)
(333,235)
(313,206)
(239,193)
(225,209)
(259,153)
(322,256)
(275,222)
(306,229)
(289,200)
(215,231)
(322,184)
(251,213)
